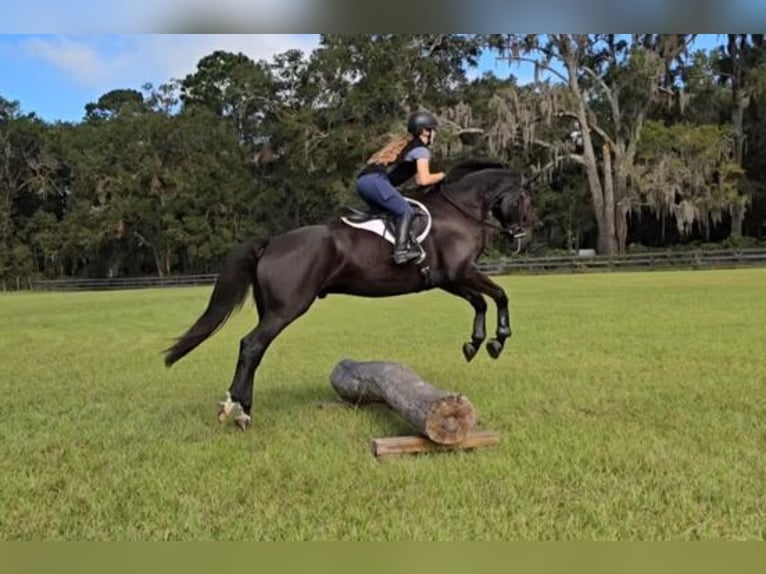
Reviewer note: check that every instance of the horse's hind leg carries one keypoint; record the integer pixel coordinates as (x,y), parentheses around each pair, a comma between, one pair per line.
(252,347)
(286,285)
(289,276)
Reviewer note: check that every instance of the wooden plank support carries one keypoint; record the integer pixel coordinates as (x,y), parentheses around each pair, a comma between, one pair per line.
(398,445)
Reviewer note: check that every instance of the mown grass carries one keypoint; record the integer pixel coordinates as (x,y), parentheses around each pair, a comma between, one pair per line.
(631,406)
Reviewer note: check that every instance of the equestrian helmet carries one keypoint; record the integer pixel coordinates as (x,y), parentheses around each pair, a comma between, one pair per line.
(421,121)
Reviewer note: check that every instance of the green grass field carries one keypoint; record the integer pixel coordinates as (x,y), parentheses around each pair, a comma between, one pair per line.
(631,406)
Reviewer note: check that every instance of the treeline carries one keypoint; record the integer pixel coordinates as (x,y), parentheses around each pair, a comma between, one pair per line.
(641,141)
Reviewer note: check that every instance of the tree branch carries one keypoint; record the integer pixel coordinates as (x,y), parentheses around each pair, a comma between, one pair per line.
(541,65)
(579,158)
(547,145)
(639,123)
(610,95)
(633,143)
(437,43)
(543,143)
(591,126)
(603,134)
(141,239)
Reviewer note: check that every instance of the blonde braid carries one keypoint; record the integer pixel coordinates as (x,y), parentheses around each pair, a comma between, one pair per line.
(391,151)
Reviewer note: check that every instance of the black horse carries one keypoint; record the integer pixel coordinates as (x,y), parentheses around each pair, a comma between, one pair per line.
(290,271)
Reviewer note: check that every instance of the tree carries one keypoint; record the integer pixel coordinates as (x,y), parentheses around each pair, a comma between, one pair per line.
(741,65)
(27,183)
(115,102)
(603,90)
(688,171)
(234,87)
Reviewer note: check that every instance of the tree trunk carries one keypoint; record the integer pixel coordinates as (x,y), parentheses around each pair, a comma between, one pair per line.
(604,217)
(157,261)
(741,101)
(444,417)
(737,220)
(609,203)
(621,212)
(603,207)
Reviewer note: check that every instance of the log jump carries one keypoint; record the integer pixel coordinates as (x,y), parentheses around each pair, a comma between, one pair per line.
(443,419)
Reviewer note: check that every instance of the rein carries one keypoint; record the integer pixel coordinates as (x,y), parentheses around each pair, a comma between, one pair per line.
(485,222)
(470,216)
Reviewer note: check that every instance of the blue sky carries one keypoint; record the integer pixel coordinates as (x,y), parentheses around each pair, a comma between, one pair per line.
(56,75)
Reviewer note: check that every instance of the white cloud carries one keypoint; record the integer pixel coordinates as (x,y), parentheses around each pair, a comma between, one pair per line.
(83,62)
(107,62)
(177,55)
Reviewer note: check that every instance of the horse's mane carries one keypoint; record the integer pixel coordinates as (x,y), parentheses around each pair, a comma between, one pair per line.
(460,170)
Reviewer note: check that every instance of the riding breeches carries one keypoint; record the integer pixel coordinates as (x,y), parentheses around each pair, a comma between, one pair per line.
(377,191)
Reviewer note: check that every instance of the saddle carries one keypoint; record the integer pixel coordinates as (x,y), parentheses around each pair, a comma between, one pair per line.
(383,224)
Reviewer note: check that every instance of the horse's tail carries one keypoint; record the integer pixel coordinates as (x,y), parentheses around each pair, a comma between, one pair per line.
(229,293)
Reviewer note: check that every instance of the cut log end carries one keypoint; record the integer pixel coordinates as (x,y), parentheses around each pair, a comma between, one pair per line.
(450,419)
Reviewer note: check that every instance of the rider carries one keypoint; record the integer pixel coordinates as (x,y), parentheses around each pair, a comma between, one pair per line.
(407,156)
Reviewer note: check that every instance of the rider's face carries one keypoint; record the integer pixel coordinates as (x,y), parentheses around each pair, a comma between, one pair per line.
(428,136)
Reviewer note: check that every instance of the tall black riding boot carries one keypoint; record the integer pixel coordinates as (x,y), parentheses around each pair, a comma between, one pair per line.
(404,251)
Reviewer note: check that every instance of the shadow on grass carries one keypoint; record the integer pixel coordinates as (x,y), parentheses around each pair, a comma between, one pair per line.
(199,408)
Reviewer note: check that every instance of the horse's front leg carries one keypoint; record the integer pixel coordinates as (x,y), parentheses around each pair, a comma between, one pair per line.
(479,320)
(477,281)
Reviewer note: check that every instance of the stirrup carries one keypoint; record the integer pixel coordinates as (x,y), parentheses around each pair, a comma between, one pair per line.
(403,257)
(413,252)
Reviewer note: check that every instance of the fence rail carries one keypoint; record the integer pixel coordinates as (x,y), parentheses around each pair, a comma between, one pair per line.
(564,264)
(122,282)
(638,261)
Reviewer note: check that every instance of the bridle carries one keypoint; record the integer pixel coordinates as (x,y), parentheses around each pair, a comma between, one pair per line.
(515,231)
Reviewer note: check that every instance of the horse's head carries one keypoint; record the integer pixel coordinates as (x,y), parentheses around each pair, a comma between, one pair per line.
(508,199)
(497,191)
(512,207)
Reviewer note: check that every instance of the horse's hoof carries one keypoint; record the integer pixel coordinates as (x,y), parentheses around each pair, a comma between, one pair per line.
(225,408)
(469,351)
(242,422)
(494,348)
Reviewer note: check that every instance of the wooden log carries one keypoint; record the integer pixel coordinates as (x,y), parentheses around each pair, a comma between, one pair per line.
(442,416)
(396,445)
